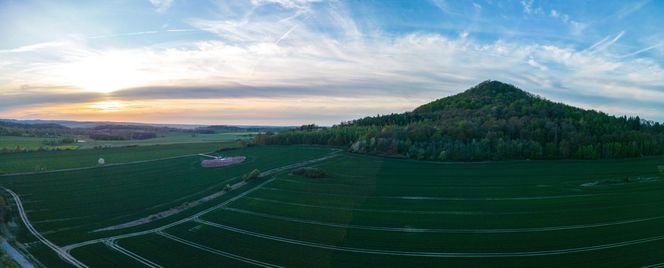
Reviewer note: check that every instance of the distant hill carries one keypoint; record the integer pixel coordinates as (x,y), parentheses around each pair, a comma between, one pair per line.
(91,124)
(113,130)
(491,121)
(18,124)
(15,128)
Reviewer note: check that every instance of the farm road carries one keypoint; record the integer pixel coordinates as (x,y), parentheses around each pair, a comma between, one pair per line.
(62,253)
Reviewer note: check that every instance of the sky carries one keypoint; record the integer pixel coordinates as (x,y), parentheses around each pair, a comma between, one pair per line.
(293,62)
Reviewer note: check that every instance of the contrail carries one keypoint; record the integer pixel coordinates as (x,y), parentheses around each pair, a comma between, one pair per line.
(641,50)
(603,44)
(283,36)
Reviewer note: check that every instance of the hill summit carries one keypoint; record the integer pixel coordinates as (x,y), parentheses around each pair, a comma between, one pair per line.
(490,121)
(485,93)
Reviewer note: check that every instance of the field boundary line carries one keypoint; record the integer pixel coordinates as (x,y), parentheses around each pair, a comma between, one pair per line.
(91,167)
(62,253)
(216,251)
(438,230)
(432,254)
(114,245)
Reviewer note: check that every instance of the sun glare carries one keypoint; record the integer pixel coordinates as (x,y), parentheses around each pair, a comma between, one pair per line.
(108,106)
(104,73)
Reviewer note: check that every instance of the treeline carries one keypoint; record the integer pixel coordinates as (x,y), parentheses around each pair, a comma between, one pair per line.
(225,129)
(32,130)
(492,121)
(21,149)
(123,132)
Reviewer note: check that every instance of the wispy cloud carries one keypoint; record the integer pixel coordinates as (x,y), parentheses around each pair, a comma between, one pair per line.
(161,5)
(631,8)
(295,55)
(528,8)
(34,47)
(576,27)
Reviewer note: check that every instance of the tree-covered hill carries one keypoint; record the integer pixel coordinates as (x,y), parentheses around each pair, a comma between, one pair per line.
(491,121)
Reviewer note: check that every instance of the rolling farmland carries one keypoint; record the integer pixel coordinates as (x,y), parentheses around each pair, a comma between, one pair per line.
(368,210)
(56,160)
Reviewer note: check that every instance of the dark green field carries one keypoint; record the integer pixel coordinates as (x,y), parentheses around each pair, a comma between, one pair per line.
(368,211)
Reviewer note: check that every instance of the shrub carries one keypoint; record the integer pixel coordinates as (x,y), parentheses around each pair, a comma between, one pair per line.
(228,188)
(254,174)
(309,172)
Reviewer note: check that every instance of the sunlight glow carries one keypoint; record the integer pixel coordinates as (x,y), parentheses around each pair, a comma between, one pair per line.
(108,106)
(103,72)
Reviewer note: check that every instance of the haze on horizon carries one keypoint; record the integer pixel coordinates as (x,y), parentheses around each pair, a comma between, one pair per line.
(291,62)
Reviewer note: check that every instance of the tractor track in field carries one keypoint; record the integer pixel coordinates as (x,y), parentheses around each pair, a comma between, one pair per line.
(92,167)
(398,211)
(439,230)
(432,254)
(70,247)
(657,265)
(114,245)
(437,198)
(216,251)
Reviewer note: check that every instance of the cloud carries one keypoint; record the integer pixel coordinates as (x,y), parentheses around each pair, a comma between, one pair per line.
(529,9)
(34,47)
(300,54)
(28,99)
(421,66)
(161,5)
(286,3)
(576,27)
(631,8)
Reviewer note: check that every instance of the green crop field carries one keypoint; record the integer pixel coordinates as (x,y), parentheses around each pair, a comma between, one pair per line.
(67,206)
(53,160)
(171,138)
(368,211)
(33,143)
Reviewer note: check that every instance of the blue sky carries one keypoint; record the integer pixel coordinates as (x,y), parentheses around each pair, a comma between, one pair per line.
(290,62)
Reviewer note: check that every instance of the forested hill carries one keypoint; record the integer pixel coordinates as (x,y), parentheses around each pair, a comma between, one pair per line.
(491,121)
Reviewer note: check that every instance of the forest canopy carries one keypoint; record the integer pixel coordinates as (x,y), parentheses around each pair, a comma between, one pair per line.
(491,121)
